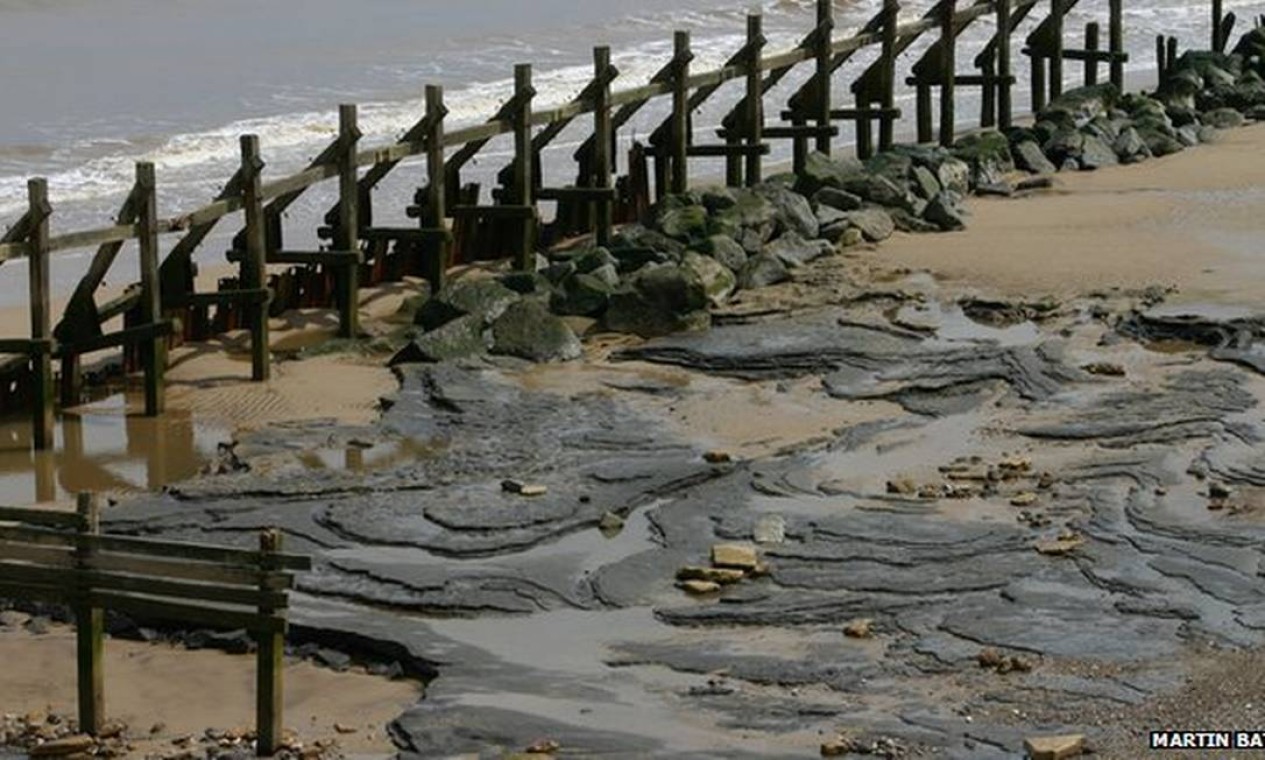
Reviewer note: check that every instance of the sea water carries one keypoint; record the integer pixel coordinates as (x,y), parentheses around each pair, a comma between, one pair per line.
(89,87)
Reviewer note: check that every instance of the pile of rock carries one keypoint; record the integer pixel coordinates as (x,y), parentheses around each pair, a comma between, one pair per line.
(730,564)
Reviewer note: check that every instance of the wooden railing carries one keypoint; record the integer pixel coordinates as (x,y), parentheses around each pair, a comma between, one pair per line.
(63,558)
(450,214)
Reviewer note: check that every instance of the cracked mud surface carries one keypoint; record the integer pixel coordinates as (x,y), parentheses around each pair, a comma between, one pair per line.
(899,507)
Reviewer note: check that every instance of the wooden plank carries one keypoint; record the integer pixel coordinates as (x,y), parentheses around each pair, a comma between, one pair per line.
(32,593)
(348,238)
(576,193)
(823,70)
(1057,9)
(805,130)
(269,701)
(679,134)
(221,618)
(187,551)
(493,212)
(753,101)
(887,102)
(436,211)
(1072,54)
(44,517)
(18,250)
(21,346)
(524,160)
(88,238)
(1001,43)
(1115,42)
(412,234)
(156,331)
(177,263)
(295,183)
(121,303)
(42,409)
(948,54)
(80,579)
(1091,53)
(603,137)
(89,628)
(19,230)
(154,349)
(721,151)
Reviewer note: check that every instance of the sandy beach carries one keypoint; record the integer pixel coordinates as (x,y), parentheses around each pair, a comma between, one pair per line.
(1189,222)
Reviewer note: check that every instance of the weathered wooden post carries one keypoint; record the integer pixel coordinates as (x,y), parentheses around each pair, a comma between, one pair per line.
(603,137)
(348,222)
(89,623)
(825,32)
(887,124)
(1091,50)
(41,320)
(754,115)
(436,212)
(1004,73)
(154,349)
(1217,43)
(1115,42)
(682,55)
(1056,53)
(1160,58)
(253,270)
(948,42)
(524,158)
(269,695)
(1170,54)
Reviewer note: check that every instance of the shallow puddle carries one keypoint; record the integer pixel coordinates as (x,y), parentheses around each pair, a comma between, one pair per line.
(107,447)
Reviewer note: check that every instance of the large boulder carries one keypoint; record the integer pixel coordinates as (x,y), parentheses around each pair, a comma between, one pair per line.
(725,250)
(838,199)
(687,224)
(944,213)
(718,281)
(880,191)
(875,224)
(529,330)
(795,251)
(821,171)
(1082,104)
(658,301)
(457,339)
(634,246)
(954,175)
(582,294)
(753,216)
(763,269)
(987,153)
(793,211)
(1130,148)
(1223,118)
(1030,158)
(1096,154)
(484,298)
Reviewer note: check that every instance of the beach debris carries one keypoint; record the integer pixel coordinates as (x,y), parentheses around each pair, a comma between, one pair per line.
(769,529)
(861,628)
(343,728)
(1056,547)
(67,745)
(737,556)
(1106,369)
(1054,747)
(989,657)
(522,488)
(700,588)
(610,524)
(1024,499)
(902,486)
(719,575)
(717,457)
(543,747)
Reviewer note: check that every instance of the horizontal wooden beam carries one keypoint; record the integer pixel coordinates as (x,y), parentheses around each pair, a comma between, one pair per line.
(242,296)
(493,212)
(84,580)
(858,114)
(27,347)
(46,517)
(577,193)
(411,234)
(727,150)
(804,130)
(333,258)
(159,329)
(185,550)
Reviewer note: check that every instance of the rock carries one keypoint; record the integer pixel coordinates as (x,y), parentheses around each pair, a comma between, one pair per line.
(837,198)
(511,485)
(717,198)
(850,237)
(1057,547)
(840,747)
(879,190)
(1223,118)
(687,223)
(530,331)
(1218,491)
(987,153)
(753,216)
(1025,499)
(484,298)
(1082,104)
(861,628)
(610,523)
(1110,369)
(718,282)
(344,729)
(595,258)
(761,270)
(793,211)
(460,338)
(769,529)
(907,222)
(717,457)
(1096,154)
(1001,189)
(700,588)
(659,301)
(543,747)
(13,619)
(989,658)
(725,250)
(1039,182)
(1130,148)
(954,175)
(68,745)
(902,486)
(634,246)
(924,182)
(1188,135)
(581,295)
(720,575)
(1054,747)
(735,555)
(821,171)
(795,251)
(944,213)
(875,224)
(1030,158)
(1159,143)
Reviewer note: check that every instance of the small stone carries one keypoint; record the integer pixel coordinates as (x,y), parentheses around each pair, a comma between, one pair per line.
(13,619)
(1015,464)
(717,457)
(345,729)
(523,489)
(157,728)
(112,729)
(861,628)
(735,555)
(1019,664)
(1057,547)
(989,658)
(1107,369)
(838,747)
(718,575)
(769,529)
(544,747)
(1161,491)
(1054,747)
(1218,491)
(1216,505)
(1025,499)
(610,523)
(902,486)
(1045,481)
(700,588)
(69,745)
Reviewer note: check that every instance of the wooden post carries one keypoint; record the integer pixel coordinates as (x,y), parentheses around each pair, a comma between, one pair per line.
(603,135)
(253,272)
(1170,57)
(887,125)
(270,664)
(825,30)
(1004,108)
(1038,81)
(948,42)
(1091,47)
(153,351)
(41,320)
(1160,58)
(436,191)
(89,626)
(348,221)
(922,94)
(524,182)
(988,95)
(680,111)
(1115,42)
(1217,44)
(1056,54)
(799,146)
(754,116)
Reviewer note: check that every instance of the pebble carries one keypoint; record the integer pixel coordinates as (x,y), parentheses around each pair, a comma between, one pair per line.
(544,747)
(1054,747)
(700,588)
(1025,499)
(610,523)
(719,575)
(717,457)
(735,555)
(861,628)
(523,489)
(769,529)
(69,745)
(1056,547)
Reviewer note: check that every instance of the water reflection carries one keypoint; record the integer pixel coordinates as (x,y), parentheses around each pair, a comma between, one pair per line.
(106,447)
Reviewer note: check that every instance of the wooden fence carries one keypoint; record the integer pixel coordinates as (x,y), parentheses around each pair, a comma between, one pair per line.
(452,222)
(63,558)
